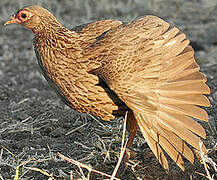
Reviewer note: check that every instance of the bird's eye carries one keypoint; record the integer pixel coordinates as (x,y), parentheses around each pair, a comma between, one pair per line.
(23,15)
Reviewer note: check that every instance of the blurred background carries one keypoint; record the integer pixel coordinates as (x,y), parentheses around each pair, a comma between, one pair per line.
(34,122)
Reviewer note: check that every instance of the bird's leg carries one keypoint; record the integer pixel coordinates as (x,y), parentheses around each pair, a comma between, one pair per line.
(132,127)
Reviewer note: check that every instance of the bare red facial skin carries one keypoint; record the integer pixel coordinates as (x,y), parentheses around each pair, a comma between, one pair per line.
(20,17)
(23,15)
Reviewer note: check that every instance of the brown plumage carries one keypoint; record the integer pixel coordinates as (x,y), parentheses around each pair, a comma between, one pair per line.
(107,68)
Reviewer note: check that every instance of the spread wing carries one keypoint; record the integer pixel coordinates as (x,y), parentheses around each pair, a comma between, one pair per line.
(152,69)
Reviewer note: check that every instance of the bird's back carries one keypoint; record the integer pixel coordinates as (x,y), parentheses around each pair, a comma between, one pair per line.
(91,31)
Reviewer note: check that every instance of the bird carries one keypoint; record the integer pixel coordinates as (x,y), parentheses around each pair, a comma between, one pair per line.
(144,69)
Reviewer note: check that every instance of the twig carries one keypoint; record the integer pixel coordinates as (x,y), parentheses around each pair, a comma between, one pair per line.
(202,155)
(97,120)
(80,165)
(9,152)
(41,171)
(70,132)
(123,149)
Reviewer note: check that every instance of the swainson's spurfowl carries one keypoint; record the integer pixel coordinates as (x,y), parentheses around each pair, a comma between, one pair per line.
(107,68)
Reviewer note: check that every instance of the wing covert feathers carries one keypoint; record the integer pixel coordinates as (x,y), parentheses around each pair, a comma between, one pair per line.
(160,81)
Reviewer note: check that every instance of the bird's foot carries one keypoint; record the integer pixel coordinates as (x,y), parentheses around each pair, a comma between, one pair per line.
(124,163)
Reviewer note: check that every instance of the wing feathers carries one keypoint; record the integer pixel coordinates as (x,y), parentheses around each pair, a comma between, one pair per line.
(161,83)
(155,147)
(197,76)
(185,72)
(168,141)
(169,148)
(171,90)
(181,131)
(178,143)
(172,152)
(186,109)
(171,33)
(197,99)
(184,121)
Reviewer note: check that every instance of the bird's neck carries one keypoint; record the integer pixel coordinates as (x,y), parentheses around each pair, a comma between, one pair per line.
(54,43)
(56,37)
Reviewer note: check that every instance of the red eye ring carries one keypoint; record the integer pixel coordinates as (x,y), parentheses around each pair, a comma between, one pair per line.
(23,15)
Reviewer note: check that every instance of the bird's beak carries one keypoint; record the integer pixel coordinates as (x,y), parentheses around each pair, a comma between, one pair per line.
(11,20)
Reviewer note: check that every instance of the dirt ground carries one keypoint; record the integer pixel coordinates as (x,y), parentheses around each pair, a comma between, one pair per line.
(35,124)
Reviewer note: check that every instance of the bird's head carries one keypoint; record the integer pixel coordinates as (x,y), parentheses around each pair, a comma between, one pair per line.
(34,18)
